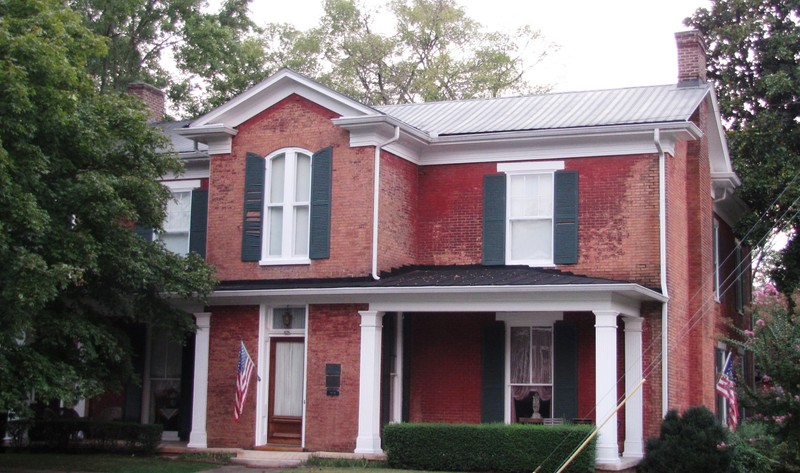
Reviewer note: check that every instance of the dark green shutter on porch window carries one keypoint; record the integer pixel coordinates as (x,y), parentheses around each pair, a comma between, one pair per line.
(565,222)
(199,222)
(319,246)
(493,373)
(253,215)
(565,371)
(494,219)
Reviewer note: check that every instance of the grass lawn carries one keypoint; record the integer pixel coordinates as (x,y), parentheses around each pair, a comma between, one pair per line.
(99,463)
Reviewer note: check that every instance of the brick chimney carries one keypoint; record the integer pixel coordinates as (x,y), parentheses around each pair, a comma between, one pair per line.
(691,58)
(153,97)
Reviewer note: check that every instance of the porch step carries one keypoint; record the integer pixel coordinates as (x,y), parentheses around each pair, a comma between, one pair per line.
(277,448)
(270,459)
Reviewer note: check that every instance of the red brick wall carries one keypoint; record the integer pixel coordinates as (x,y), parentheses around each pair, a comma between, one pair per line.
(618,229)
(333,337)
(294,122)
(450,213)
(229,325)
(398,215)
(445,384)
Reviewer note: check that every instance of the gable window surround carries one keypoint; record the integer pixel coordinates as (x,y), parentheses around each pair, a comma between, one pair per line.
(287,204)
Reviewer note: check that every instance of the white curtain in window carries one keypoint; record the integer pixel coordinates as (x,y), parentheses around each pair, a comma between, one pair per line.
(289,379)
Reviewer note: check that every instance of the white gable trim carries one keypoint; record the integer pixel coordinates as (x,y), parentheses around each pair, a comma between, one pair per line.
(274,89)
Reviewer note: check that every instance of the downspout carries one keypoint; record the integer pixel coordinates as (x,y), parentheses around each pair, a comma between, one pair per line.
(662,242)
(376,186)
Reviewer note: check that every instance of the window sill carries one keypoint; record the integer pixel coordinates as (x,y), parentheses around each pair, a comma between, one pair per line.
(284,262)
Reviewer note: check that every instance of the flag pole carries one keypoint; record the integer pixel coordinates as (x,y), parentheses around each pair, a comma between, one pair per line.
(596,430)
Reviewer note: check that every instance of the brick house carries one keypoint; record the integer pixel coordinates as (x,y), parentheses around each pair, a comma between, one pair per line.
(449,262)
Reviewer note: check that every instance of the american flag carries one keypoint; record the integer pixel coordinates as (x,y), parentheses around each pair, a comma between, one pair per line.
(242,379)
(726,387)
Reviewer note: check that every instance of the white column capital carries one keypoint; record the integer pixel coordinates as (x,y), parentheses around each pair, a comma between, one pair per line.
(371,318)
(202,319)
(605,318)
(633,324)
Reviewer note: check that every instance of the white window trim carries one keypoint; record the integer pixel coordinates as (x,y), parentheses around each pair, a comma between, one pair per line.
(186,185)
(529,168)
(290,169)
(525,319)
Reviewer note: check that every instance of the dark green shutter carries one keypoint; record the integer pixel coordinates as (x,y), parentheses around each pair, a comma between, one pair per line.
(197,226)
(493,373)
(319,246)
(565,371)
(144,232)
(253,215)
(494,219)
(565,232)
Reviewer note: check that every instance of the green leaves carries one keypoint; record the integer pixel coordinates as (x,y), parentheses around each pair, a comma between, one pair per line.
(754,62)
(76,170)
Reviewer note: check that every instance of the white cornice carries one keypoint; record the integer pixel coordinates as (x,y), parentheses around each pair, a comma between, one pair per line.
(217,136)
(422,149)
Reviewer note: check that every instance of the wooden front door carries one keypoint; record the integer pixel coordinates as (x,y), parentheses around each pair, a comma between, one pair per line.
(285,419)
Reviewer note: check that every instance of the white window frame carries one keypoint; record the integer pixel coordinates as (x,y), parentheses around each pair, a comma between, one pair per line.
(529,169)
(545,320)
(288,206)
(177,187)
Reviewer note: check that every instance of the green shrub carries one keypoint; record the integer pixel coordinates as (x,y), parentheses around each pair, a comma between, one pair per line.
(487,447)
(694,442)
(80,434)
(754,449)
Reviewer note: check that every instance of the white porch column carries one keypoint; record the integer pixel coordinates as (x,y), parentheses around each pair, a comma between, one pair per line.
(198,438)
(369,391)
(606,384)
(634,423)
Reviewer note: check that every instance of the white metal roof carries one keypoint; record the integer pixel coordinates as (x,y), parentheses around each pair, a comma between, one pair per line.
(634,105)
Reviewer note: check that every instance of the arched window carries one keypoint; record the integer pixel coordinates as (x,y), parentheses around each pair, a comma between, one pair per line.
(288,195)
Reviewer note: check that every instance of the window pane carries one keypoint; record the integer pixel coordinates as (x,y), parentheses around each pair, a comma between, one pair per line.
(301,231)
(275,231)
(302,191)
(541,358)
(176,242)
(520,355)
(289,318)
(531,195)
(532,240)
(276,179)
(178,212)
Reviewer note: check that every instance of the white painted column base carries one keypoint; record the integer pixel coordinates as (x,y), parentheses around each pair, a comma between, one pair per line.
(198,438)
(369,386)
(634,420)
(606,385)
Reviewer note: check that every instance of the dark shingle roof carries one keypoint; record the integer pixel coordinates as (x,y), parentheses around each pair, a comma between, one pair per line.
(433,276)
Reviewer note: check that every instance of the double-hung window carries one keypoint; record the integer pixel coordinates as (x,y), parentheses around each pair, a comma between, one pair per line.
(530,214)
(288,206)
(176,226)
(184,228)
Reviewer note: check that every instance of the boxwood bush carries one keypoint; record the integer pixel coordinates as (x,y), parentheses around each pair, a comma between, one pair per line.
(487,447)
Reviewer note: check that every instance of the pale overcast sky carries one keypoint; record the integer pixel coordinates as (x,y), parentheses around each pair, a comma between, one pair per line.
(603,43)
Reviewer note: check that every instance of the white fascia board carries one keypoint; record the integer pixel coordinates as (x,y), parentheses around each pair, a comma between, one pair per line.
(718,154)
(217,136)
(276,88)
(422,149)
(459,298)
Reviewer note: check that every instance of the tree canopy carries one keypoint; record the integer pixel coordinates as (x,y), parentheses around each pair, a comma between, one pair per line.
(77,168)
(435,51)
(754,62)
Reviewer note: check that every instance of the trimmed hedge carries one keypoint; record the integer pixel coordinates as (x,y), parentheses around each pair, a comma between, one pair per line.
(505,448)
(81,434)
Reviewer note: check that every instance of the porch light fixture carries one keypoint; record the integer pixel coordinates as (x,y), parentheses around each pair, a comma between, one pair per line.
(287,318)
